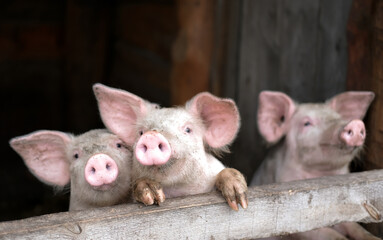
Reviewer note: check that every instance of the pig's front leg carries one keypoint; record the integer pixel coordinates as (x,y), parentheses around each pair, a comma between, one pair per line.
(233,187)
(148,191)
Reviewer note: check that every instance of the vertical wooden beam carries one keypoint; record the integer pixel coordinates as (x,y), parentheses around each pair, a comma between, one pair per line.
(86,40)
(192,49)
(365,36)
(365,72)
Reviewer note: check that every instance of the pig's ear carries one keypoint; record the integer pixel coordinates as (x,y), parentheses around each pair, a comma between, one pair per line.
(275,110)
(352,105)
(44,153)
(220,116)
(120,110)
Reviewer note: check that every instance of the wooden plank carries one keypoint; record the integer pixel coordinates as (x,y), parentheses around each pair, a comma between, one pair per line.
(273,210)
(192,50)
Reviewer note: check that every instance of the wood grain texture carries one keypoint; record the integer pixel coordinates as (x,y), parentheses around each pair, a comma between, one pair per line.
(273,210)
(298,47)
(192,50)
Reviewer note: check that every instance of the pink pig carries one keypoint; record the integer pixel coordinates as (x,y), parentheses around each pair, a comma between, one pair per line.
(97,164)
(173,147)
(319,140)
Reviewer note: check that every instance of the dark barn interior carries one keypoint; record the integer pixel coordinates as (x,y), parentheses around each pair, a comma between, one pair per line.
(52,52)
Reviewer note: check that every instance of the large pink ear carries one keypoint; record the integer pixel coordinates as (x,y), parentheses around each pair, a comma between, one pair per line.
(352,105)
(220,116)
(44,153)
(275,110)
(120,110)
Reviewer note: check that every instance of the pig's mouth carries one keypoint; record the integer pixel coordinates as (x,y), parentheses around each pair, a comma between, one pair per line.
(161,169)
(103,187)
(326,147)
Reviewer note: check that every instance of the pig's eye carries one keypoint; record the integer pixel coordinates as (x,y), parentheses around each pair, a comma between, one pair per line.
(75,155)
(118,145)
(141,132)
(307,123)
(188,130)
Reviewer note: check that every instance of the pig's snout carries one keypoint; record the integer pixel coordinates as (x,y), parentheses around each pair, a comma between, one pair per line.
(353,134)
(153,149)
(100,170)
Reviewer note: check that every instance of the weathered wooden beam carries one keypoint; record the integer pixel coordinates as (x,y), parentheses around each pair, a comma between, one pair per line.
(273,210)
(192,50)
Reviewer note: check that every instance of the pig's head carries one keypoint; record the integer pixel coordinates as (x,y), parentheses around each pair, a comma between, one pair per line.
(96,163)
(324,137)
(167,142)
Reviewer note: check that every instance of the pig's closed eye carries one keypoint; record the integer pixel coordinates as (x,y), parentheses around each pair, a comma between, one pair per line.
(307,123)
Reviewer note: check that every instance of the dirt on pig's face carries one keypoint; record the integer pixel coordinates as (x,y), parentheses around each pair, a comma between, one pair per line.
(88,145)
(184,134)
(314,139)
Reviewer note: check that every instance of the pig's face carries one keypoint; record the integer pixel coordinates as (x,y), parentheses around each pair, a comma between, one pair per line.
(183,136)
(314,138)
(100,166)
(321,137)
(96,163)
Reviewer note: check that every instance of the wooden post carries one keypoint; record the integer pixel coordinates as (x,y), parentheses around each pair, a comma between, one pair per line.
(273,210)
(365,37)
(192,50)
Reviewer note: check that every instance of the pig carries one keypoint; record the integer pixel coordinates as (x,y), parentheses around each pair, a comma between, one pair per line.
(97,164)
(174,149)
(312,140)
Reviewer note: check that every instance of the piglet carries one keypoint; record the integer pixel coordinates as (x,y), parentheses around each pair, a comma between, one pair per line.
(174,148)
(97,164)
(312,140)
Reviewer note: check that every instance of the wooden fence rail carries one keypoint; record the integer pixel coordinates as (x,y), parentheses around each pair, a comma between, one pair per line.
(273,210)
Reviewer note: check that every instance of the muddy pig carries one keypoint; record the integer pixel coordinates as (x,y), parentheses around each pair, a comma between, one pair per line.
(174,148)
(312,140)
(97,164)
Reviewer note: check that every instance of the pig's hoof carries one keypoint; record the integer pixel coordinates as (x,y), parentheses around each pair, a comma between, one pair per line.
(233,186)
(148,192)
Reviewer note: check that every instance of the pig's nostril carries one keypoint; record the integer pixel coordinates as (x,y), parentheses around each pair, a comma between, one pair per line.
(107,166)
(160,146)
(93,170)
(350,132)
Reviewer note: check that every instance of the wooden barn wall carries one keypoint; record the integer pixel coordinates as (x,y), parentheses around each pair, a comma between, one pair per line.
(51,52)
(298,47)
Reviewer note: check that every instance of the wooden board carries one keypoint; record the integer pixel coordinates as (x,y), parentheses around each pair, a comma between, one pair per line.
(273,210)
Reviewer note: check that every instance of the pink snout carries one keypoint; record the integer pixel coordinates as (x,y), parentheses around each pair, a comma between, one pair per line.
(153,149)
(100,170)
(353,134)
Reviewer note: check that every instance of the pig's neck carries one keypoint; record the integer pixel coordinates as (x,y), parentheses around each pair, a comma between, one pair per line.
(290,167)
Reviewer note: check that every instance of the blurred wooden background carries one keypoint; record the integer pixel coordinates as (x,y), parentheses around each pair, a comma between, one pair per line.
(51,52)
